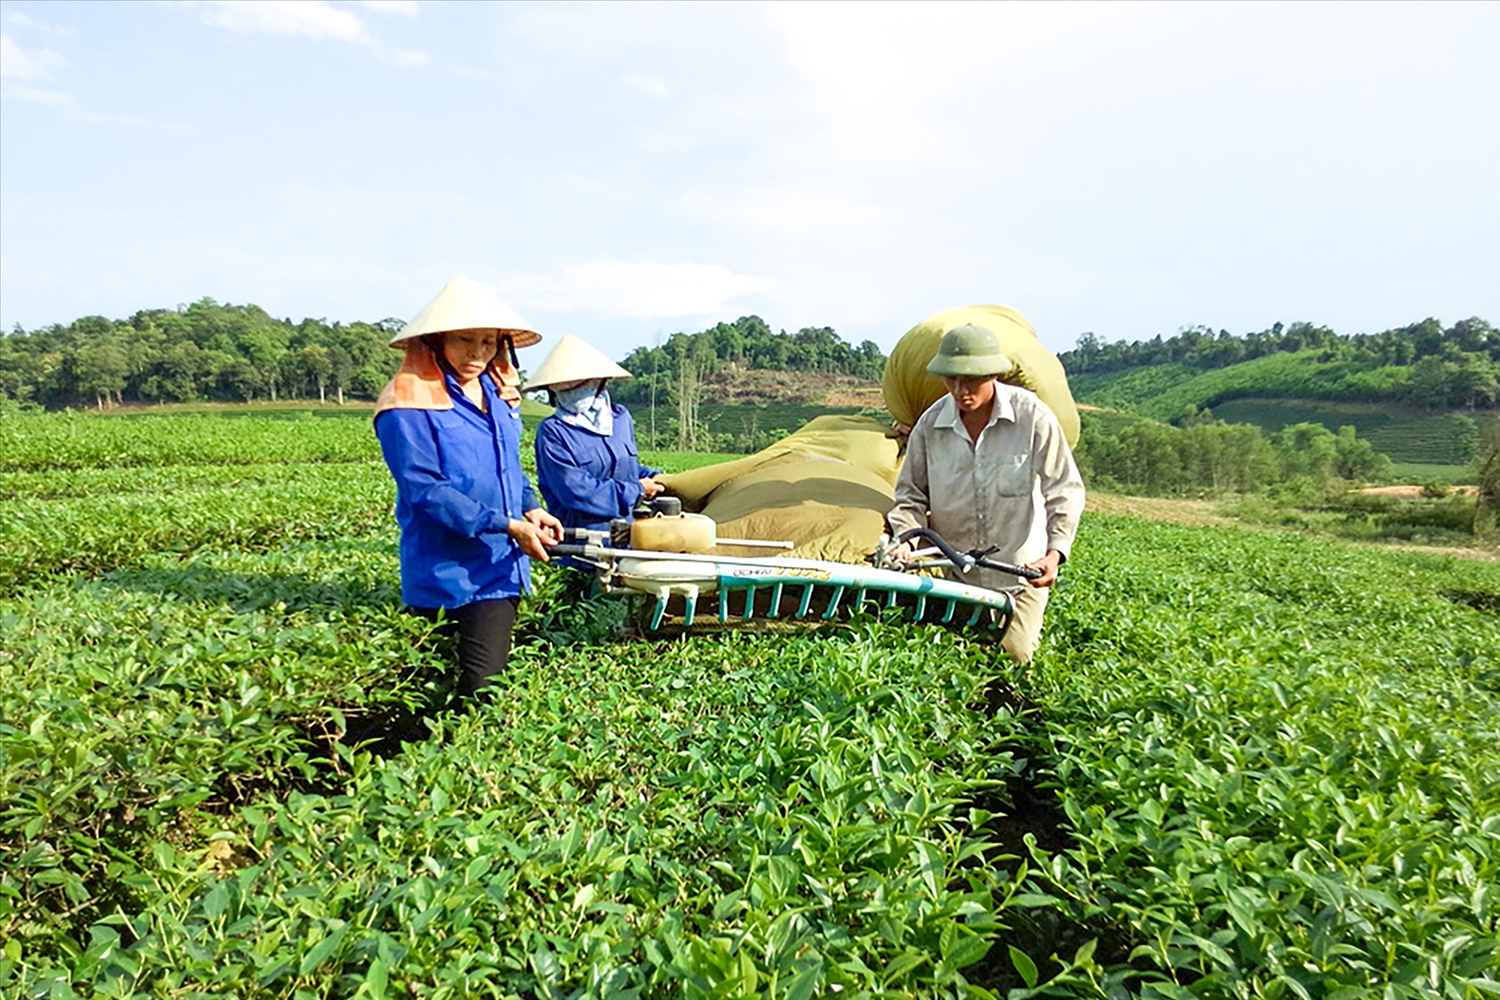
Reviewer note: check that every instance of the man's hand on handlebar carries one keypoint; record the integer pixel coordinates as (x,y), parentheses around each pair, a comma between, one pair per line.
(1048,565)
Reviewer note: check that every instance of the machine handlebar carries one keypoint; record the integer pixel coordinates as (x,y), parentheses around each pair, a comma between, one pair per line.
(964,560)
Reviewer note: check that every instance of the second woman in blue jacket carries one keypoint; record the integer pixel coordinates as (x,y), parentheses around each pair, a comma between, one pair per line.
(586,460)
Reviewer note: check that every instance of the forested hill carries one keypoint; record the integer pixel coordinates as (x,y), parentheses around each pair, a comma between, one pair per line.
(1420,393)
(204,351)
(209,351)
(747,343)
(1423,365)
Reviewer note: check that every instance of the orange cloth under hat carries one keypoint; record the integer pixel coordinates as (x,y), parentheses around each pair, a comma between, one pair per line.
(419,383)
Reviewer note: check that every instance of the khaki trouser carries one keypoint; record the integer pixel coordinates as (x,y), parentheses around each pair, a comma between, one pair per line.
(1025,632)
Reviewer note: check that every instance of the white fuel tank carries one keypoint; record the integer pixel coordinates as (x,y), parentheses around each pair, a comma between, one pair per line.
(674,533)
(650,575)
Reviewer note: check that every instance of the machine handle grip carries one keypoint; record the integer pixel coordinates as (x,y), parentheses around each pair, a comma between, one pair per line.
(963,560)
(1024,572)
(566,550)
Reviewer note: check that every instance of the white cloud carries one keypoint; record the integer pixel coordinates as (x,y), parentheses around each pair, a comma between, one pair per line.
(40,96)
(285,17)
(649,84)
(68,108)
(18,64)
(592,30)
(16,17)
(640,290)
(406,8)
(311,18)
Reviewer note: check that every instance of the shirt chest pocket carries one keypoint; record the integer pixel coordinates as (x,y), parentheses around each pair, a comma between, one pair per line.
(624,462)
(1011,475)
(467,457)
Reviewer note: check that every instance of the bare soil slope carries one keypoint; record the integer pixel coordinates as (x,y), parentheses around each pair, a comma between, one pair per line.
(732,384)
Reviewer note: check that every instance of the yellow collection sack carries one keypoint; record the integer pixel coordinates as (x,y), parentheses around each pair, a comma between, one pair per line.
(909,389)
(826,508)
(862,442)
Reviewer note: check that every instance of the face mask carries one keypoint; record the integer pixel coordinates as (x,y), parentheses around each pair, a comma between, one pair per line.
(587,407)
(578,398)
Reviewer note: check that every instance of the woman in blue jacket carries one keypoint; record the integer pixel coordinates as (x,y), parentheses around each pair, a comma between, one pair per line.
(586,460)
(449,425)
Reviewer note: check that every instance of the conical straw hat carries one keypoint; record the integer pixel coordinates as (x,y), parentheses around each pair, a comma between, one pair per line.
(572,360)
(465,304)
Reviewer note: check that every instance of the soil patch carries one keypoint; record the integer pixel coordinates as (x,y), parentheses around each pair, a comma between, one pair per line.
(866,397)
(1477,599)
(733,384)
(1411,492)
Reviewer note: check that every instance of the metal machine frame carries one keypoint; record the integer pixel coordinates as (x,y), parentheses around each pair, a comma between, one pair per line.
(664,575)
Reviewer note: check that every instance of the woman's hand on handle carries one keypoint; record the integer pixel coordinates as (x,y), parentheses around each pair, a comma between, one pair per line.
(650,487)
(533,534)
(551,527)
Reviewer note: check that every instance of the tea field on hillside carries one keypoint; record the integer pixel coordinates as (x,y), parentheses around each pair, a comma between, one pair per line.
(1406,431)
(1246,763)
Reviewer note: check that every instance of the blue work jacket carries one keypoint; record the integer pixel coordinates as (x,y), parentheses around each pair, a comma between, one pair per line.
(587,478)
(458,485)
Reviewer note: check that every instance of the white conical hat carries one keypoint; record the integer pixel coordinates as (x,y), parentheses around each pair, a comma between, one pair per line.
(465,304)
(572,360)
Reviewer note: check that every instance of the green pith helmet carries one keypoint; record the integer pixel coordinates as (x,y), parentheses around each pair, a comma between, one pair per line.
(969,350)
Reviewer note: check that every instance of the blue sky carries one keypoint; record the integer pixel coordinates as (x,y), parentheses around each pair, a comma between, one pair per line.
(624,171)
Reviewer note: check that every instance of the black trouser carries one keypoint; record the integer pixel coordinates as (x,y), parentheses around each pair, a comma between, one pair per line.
(483,632)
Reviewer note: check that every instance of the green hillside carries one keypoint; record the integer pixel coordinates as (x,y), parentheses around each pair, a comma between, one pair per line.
(1166,391)
(1279,390)
(1421,393)
(1128,389)
(1405,435)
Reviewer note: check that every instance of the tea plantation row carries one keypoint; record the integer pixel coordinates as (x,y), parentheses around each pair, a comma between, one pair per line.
(1245,764)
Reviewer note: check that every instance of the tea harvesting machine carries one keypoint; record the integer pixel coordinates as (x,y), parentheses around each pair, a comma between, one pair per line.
(664,552)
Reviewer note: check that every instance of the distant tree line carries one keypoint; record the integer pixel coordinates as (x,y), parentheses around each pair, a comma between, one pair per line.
(1425,363)
(1208,455)
(204,351)
(209,351)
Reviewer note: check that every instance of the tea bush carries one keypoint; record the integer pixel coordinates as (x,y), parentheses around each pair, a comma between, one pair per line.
(1244,764)
(728,823)
(1279,762)
(45,442)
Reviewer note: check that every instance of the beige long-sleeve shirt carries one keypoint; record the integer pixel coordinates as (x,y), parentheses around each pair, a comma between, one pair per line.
(1017,487)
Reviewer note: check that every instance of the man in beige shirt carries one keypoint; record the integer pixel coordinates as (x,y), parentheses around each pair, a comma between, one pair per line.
(988,465)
